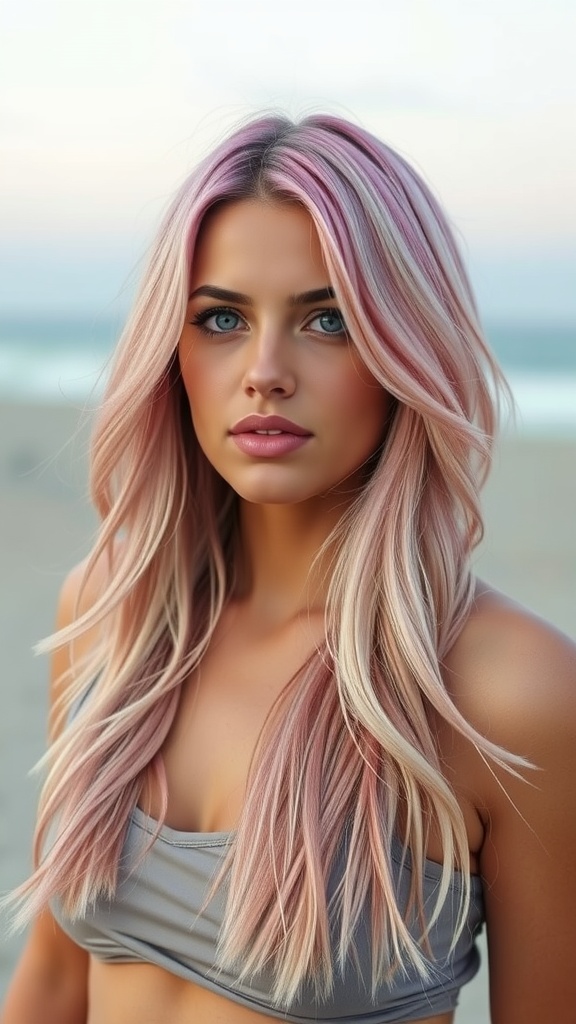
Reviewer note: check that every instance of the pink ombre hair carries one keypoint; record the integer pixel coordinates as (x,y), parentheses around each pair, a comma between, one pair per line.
(349,741)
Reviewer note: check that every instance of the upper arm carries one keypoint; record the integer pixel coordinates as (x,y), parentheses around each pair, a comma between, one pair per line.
(528,859)
(46,933)
(527,703)
(52,971)
(50,981)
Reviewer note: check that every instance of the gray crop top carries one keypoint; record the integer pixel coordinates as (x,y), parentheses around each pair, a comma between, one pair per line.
(154,918)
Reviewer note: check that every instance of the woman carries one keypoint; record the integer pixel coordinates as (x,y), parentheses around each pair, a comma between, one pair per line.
(299,753)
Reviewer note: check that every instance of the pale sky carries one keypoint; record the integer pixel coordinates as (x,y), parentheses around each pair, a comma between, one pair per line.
(106,104)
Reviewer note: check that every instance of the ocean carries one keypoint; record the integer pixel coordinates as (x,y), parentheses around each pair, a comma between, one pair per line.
(63,359)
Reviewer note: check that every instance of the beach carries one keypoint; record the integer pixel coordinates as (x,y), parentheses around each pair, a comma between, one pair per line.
(529,551)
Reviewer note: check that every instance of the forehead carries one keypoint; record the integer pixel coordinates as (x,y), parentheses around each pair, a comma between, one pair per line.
(259,242)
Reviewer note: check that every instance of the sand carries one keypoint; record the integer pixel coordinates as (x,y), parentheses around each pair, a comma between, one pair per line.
(47,525)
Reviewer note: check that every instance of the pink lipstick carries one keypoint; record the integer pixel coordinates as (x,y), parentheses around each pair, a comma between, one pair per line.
(268,436)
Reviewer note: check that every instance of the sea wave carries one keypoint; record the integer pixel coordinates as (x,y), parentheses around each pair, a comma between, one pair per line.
(545,403)
(52,376)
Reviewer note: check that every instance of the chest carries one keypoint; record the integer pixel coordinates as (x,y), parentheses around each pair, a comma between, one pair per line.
(222,711)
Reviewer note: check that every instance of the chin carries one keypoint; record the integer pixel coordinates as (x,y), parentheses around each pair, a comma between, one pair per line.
(264,485)
(270,496)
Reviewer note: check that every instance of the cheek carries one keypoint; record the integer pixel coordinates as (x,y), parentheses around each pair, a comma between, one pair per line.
(206,394)
(360,391)
(367,406)
(197,379)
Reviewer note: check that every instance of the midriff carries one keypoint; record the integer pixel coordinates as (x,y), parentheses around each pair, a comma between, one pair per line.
(146,994)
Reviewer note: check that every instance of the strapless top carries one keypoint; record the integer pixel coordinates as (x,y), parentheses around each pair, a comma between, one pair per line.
(156,917)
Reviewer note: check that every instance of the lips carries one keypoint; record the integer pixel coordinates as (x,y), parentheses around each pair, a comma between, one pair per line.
(262,425)
(268,437)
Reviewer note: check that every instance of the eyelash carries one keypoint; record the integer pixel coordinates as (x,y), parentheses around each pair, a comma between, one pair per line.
(200,320)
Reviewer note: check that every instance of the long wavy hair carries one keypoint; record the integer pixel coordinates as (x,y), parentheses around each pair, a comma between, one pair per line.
(348,750)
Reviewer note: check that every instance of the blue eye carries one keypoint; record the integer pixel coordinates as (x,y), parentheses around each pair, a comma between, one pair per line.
(330,321)
(218,321)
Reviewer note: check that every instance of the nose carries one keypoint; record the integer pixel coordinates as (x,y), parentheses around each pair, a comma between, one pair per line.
(268,371)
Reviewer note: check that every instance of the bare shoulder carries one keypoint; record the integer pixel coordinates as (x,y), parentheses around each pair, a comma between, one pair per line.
(82,587)
(80,591)
(513,676)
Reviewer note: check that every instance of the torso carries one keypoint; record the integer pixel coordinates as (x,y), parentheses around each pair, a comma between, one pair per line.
(223,707)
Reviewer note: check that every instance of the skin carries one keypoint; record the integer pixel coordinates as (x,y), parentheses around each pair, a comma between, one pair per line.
(511,675)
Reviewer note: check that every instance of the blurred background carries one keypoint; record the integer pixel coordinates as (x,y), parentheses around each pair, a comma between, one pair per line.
(105,107)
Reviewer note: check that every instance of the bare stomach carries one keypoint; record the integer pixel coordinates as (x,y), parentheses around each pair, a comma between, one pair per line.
(145,994)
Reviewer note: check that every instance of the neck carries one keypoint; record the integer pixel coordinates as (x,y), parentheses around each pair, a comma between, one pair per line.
(282,573)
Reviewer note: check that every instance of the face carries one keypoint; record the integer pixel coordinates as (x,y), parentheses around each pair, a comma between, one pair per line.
(281,403)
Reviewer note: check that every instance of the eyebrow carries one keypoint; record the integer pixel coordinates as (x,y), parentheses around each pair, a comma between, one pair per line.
(303,299)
